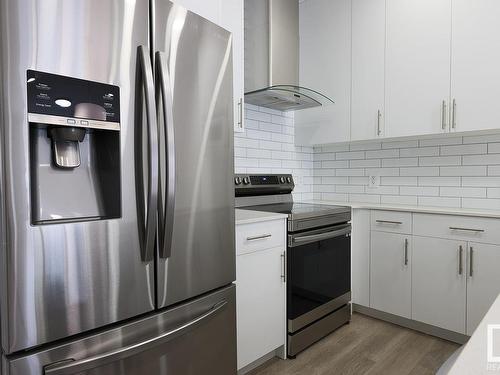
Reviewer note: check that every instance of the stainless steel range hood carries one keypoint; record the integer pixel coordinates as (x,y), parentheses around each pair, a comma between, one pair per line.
(272,57)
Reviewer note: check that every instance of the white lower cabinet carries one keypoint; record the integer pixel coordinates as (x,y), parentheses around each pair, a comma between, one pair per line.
(390,276)
(438,282)
(260,291)
(483,281)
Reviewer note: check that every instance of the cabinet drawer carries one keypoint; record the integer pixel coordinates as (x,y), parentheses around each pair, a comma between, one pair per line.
(463,228)
(391,221)
(260,236)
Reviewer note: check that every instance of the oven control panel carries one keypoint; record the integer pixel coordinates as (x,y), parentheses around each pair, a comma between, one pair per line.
(263,184)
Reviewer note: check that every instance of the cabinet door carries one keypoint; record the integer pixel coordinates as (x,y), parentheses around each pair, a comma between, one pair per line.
(325,66)
(439,282)
(390,273)
(368,59)
(260,300)
(232,20)
(483,282)
(475,79)
(417,67)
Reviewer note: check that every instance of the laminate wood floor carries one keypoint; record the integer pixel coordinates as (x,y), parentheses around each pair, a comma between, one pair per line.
(366,346)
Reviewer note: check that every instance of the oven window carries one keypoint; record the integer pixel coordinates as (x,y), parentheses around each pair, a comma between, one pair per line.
(318,272)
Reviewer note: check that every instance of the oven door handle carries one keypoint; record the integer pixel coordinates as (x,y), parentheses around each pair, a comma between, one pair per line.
(300,240)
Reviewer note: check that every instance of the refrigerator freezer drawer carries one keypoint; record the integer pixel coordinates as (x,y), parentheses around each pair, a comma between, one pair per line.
(198,337)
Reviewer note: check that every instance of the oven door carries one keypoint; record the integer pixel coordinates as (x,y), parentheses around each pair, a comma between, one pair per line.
(319,274)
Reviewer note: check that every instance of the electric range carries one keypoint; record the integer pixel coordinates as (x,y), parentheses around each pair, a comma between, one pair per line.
(318,256)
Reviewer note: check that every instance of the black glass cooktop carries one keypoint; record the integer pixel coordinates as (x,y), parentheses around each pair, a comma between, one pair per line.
(299,210)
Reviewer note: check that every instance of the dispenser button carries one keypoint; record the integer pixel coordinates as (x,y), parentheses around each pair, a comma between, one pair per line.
(84,122)
(71,121)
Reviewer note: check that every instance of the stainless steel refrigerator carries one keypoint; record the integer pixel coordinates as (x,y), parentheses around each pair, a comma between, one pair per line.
(117,205)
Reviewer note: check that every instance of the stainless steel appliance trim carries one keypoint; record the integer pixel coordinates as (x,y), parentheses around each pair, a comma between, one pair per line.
(295,225)
(406,251)
(460,264)
(283,264)
(260,237)
(73,122)
(467,229)
(379,114)
(443,115)
(166,210)
(300,322)
(471,257)
(146,220)
(128,351)
(389,222)
(454,114)
(323,327)
(318,235)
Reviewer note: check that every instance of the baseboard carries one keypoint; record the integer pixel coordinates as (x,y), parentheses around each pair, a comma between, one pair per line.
(412,324)
(279,352)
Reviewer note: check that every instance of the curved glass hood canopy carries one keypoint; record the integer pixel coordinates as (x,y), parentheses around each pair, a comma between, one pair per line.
(287,98)
(272,57)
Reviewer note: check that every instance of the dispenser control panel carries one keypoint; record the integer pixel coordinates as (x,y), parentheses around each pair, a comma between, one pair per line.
(66,101)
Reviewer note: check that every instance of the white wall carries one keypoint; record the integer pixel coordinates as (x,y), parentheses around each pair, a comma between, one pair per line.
(267,146)
(453,171)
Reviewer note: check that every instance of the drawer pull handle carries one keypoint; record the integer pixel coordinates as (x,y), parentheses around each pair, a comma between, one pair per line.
(389,222)
(261,237)
(406,251)
(460,255)
(467,229)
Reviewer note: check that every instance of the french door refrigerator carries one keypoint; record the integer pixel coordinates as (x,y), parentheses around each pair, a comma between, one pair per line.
(117,205)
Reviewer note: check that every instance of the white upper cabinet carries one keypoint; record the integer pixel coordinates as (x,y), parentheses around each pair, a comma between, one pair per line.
(232,20)
(475,64)
(417,67)
(325,66)
(368,60)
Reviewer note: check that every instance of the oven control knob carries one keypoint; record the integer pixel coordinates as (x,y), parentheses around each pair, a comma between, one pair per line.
(282,179)
(237,180)
(289,180)
(246,180)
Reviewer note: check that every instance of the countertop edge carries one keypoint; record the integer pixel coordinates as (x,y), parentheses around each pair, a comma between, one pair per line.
(251,216)
(420,209)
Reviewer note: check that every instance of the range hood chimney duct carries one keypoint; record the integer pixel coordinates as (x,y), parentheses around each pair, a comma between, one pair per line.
(272,57)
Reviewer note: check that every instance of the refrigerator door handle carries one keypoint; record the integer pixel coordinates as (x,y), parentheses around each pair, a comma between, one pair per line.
(166,206)
(83,365)
(146,219)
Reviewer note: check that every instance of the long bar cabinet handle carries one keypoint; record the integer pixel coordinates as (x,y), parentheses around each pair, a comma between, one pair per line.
(406,251)
(261,237)
(460,263)
(467,229)
(389,222)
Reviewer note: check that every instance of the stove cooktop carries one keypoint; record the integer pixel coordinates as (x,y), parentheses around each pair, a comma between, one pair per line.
(298,211)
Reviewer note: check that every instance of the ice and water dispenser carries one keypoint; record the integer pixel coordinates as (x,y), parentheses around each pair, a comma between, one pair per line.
(74,136)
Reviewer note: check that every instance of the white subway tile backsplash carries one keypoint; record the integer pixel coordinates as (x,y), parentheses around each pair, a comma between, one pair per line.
(420,171)
(468,192)
(439,202)
(398,199)
(481,159)
(423,151)
(390,153)
(439,181)
(440,141)
(471,149)
(446,171)
(370,163)
(439,160)
(400,162)
(464,171)
(350,155)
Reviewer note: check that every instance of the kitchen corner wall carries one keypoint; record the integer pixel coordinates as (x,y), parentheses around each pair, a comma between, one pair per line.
(451,171)
(267,146)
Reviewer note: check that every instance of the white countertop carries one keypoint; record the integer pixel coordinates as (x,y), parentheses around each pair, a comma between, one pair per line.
(250,216)
(423,209)
(473,359)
